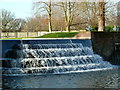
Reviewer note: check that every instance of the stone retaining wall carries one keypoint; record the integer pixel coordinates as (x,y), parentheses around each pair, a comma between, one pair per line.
(22,34)
(104,44)
(85,34)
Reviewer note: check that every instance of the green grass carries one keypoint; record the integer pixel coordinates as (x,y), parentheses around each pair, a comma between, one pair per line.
(59,35)
(50,35)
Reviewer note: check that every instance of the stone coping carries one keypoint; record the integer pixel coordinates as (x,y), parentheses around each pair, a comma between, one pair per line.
(48,38)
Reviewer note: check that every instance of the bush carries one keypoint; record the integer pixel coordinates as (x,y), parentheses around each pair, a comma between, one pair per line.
(107,28)
(119,28)
(94,28)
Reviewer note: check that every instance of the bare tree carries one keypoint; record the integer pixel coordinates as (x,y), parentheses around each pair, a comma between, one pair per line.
(77,15)
(37,23)
(58,21)
(118,14)
(6,18)
(47,7)
(90,11)
(33,24)
(70,12)
(101,15)
(10,23)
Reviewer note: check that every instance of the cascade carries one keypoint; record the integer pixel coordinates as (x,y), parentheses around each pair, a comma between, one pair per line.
(54,58)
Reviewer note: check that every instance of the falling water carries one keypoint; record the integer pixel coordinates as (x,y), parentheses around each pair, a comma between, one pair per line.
(52,58)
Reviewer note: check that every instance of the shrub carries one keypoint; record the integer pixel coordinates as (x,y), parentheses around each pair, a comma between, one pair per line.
(107,28)
(94,28)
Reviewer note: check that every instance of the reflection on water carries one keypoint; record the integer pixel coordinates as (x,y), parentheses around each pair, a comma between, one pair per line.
(95,79)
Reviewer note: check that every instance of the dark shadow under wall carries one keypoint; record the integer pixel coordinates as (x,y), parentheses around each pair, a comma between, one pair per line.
(115,56)
(104,44)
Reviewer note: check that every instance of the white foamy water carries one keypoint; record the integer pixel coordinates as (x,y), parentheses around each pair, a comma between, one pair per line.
(54,59)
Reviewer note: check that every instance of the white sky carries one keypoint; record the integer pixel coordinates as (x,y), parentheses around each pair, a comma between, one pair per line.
(23,8)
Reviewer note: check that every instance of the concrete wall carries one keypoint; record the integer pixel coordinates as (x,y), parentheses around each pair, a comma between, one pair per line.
(24,34)
(21,34)
(7,45)
(104,45)
(85,34)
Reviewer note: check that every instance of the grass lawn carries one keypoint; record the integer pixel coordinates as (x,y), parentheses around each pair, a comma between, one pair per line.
(51,35)
(59,35)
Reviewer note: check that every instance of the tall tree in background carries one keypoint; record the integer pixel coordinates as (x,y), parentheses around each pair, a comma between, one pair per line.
(9,22)
(101,15)
(91,12)
(47,7)
(33,24)
(69,9)
(118,14)
(6,18)
(68,16)
(50,15)
(76,15)
(36,23)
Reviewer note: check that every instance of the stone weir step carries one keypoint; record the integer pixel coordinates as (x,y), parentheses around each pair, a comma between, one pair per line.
(47,43)
(58,69)
(18,52)
(54,61)
(50,56)
(48,46)
(85,42)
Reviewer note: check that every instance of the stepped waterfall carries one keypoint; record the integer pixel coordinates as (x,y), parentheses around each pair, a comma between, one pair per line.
(51,58)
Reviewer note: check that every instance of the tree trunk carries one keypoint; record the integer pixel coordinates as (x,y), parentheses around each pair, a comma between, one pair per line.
(49,17)
(68,17)
(0,33)
(68,28)
(50,24)
(118,14)
(101,17)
